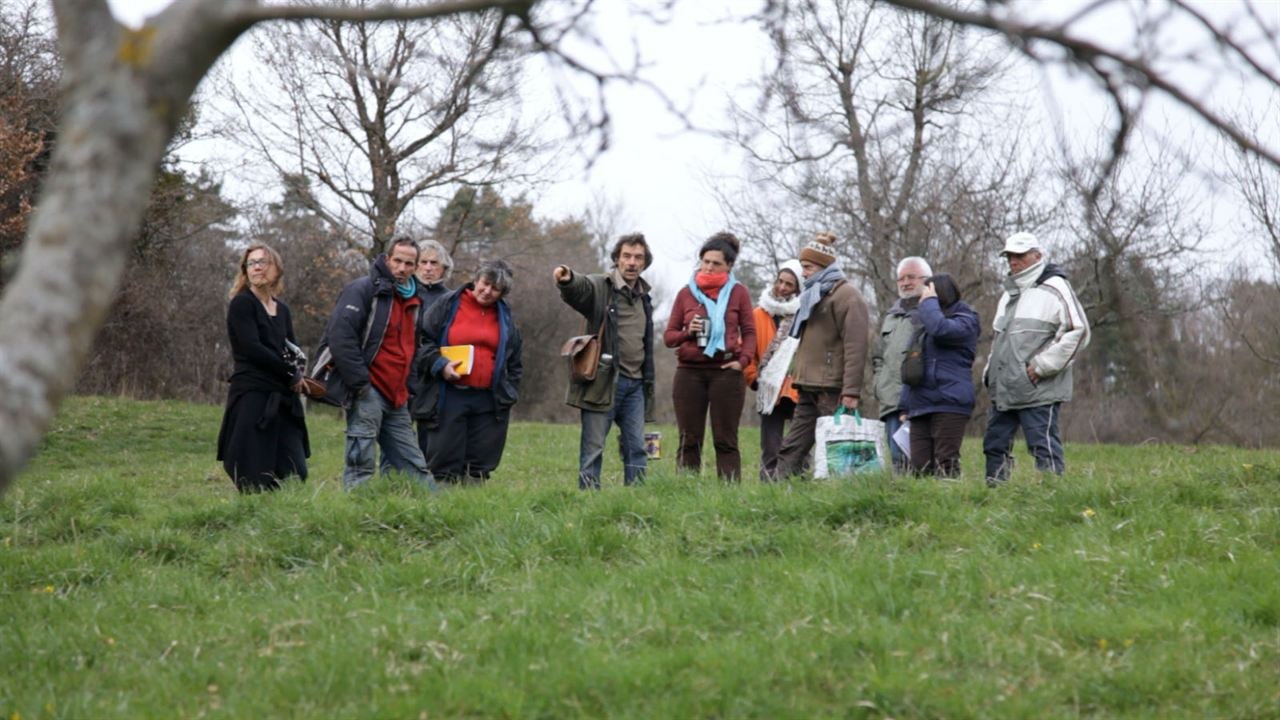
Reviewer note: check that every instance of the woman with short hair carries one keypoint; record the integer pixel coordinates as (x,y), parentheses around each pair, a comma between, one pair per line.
(467,413)
(712,329)
(263,438)
(938,393)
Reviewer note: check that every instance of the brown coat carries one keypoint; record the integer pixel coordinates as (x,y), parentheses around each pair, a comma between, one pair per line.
(833,345)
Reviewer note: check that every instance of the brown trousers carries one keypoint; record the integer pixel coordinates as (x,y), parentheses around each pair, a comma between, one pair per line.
(935,443)
(693,392)
(793,458)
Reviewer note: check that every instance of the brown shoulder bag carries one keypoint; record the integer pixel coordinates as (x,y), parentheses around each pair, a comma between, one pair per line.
(583,353)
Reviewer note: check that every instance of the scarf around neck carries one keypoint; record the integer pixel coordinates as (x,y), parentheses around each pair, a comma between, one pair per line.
(816,287)
(408,289)
(776,307)
(716,307)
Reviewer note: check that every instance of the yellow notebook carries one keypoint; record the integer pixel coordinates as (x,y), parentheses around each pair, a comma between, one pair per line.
(465,353)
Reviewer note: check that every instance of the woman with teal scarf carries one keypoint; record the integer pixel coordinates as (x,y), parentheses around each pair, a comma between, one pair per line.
(712,329)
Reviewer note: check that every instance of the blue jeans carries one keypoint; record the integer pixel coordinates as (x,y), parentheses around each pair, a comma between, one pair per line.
(1039,426)
(372,419)
(901,463)
(628,412)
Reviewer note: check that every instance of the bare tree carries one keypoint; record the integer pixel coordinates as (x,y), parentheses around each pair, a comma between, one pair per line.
(382,115)
(1255,322)
(125,91)
(1138,236)
(871,127)
(1237,40)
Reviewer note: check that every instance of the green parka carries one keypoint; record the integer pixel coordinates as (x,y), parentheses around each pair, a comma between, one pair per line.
(886,359)
(596,298)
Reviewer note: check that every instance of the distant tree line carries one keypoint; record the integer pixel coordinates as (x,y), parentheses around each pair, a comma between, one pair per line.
(891,124)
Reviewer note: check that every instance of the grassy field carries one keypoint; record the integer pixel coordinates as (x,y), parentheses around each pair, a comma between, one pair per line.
(136,584)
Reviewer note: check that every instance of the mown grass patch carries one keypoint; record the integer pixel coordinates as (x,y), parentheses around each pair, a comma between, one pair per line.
(135,583)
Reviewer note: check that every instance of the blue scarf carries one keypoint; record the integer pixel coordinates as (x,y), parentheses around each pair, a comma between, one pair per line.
(816,287)
(407,290)
(715,312)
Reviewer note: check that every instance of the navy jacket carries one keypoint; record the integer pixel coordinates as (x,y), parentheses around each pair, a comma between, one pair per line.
(364,306)
(507,370)
(950,344)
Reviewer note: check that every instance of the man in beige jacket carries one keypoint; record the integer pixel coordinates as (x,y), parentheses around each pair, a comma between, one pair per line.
(832,325)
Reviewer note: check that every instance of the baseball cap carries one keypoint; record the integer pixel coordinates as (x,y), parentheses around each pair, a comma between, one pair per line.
(1019,243)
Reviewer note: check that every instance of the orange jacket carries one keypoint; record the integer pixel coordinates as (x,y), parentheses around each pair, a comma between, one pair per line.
(765,330)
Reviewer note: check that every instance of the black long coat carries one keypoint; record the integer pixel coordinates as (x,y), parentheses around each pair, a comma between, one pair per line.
(264,430)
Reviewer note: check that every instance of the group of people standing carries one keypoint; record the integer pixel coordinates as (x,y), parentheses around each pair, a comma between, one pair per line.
(386,360)
(382,362)
(1040,328)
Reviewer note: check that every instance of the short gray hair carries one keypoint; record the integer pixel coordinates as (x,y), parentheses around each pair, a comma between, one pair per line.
(928,271)
(442,255)
(498,274)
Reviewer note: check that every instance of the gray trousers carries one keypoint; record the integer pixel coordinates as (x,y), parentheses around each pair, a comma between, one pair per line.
(370,420)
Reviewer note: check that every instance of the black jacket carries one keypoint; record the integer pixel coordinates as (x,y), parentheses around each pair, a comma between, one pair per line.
(359,323)
(257,348)
(507,371)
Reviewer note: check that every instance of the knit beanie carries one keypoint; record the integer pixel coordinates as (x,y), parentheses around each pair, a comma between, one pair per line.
(821,250)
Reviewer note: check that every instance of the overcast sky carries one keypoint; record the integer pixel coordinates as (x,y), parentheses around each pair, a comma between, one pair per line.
(658,174)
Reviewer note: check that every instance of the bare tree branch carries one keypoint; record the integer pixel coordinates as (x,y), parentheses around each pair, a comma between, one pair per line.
(444,8)
(1138,73)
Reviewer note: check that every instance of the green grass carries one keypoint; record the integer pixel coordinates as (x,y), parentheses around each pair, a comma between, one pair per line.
(136,583)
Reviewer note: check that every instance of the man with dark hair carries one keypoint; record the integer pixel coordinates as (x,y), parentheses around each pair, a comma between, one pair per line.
(622,390)
(371,336)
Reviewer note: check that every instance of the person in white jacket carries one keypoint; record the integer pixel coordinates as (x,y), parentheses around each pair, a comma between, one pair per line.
(1040,329)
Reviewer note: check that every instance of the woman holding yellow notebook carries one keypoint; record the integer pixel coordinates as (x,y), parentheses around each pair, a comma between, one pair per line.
(470,369)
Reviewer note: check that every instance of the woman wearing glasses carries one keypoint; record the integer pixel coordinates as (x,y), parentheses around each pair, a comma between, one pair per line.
(264,432)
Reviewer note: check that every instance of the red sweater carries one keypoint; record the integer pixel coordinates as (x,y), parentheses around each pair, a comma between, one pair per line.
(478,326)
(389,371)
(739,332)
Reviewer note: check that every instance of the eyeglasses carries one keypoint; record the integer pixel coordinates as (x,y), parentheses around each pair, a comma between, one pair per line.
(259,262)
(911,277)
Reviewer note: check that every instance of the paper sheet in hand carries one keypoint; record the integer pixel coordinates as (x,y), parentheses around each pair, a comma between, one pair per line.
(902,438)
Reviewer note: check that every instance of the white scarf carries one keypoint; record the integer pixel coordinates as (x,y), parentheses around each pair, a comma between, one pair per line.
(776,307)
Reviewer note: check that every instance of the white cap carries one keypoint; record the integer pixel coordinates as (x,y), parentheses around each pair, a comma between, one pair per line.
(793,266)
(1019,243)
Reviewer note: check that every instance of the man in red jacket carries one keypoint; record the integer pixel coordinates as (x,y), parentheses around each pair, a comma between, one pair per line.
(372,337)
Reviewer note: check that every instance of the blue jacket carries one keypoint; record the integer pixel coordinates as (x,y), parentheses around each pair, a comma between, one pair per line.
(508,369)
(950,345)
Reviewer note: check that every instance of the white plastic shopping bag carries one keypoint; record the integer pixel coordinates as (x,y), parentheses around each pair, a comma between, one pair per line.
(847,444)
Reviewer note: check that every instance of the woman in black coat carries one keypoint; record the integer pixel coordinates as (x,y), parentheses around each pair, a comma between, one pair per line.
(264,429)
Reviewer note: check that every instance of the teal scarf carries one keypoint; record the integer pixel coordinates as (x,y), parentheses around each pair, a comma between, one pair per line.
(408,289)
(715,312)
